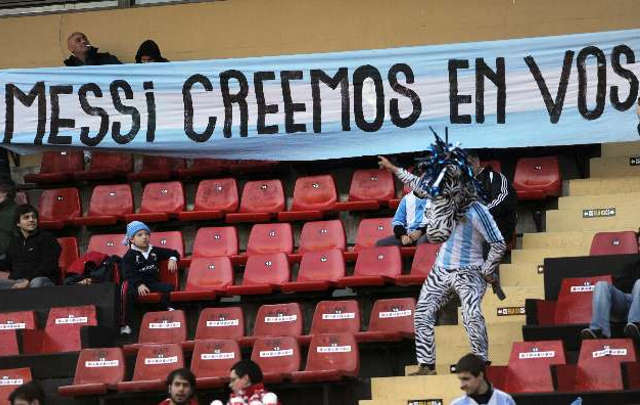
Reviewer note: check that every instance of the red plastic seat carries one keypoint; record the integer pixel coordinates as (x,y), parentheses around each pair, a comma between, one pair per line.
(10,322)
(331,357)
(312,197)
(165,276)
(276,320)
(108,205)
(169,239)
(57,167)
(374,267)
(369,189)
(215,241)
(575,298)
(110,244)
(537,178)
(371,230)
(614,243)
(495,165)
(598,368)
(262,275)
(214,198)
(318,271)
(153,364)
(211,361)
(421,266)
(322,235)
(58,207)
(10,379)
(277,357)
(69,253)
(334,317)
(161,327)
(97,371)
(270,238)
(157,168)
(218,323)
(160,201)
(107,165)
(260,201)
(207,276)
(62,332)
(390,320)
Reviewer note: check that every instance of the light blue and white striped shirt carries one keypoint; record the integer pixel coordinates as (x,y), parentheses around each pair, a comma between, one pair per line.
(410,212)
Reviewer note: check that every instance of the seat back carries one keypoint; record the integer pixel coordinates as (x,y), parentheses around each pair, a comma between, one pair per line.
(69,253)
(163,327)
(334,351)
(314,193)
(63,327)
(393,315)
(10,379)
(262,196)
(371,230)
(209,273)
(62,162)
(529,365)
(322,235)
(574,299)
(163,197)
(379,261)
(214,357)
(59,204)
(267,269)
(372,184)
(106,365)
(115,199)
(614,243)
(220,323)
(169,239)
(109,244)
(217,195)
(538,177)
(424,258)
(10,322)
(278,320)
(336,317)
(155,362)
(276,354)
(121,162)
(321,265)
(599,367)
(270,238)
(215,241)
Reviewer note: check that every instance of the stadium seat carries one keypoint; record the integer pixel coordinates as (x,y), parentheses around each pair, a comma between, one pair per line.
(10,379)
(207,276)
(211,361)
(537,178)
(110,244)
(374,267)
(57,167)
(165,276)
(262,275)
(270,238)
(215,241)
(421,265)
(614,243)
(312,197)
(322,235)
(369,189)
(69,253)
(260,201)
(495,165)
(331,357)
(276,320)
(160,201)
(153,364)
(318,271)
(390,320)
(169,239)
(214,198)
(160,327)
(203,168)
(277,357)
(97,371)
(108,205)
(21,198)
(218,323)
(107,165)
(10,323)
(370,230)
(58,207)
(598,368)
(334,317)
(62,331)
(157,168)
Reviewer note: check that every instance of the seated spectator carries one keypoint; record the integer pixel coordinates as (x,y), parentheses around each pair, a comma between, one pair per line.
(32,255)
(27,394)
(141,270)
(407,223)
(246,386)
(472,375)
(82,53)
(181,384)
(148,52)
(7,213)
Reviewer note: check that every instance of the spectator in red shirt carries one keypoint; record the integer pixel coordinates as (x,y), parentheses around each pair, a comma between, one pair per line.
(181,384)
(246,386)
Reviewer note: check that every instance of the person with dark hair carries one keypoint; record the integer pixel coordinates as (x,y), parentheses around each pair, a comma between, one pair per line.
(7,212)
(148,52)
(32,255)
(82,53)
(27,394)
(246,386)
(471,371)
(181,384)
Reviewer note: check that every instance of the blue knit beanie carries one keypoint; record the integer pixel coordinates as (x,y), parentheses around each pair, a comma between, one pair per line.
(134,227)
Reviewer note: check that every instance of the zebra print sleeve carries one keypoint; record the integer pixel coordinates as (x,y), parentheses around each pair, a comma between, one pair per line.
(496,251)
(407,178)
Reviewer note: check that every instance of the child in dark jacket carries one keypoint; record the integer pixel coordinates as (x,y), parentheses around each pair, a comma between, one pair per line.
(141,270)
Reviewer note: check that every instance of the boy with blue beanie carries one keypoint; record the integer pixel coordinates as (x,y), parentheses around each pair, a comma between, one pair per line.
(141,270)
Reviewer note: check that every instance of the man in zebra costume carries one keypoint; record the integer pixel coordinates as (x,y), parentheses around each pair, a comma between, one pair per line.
(457,219)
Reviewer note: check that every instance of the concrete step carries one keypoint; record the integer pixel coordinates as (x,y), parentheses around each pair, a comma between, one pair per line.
(538,255)
(521,275)
(385,389)
(557,240)
(586,202)
(626,217)
(603,185)
(615,149)
(512,308)
(613,166)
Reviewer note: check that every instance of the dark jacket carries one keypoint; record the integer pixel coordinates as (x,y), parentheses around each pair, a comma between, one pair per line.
(138,270)
(501,199)
(93,58)
(150,48)
(35,256)
(7,223)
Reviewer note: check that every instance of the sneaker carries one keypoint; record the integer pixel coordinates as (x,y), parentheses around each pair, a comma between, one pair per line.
(632,330)
(125,330)
(587,333)
(423,370)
